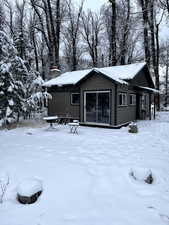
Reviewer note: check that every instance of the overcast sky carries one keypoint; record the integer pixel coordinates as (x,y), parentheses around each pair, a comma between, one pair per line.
(93,4)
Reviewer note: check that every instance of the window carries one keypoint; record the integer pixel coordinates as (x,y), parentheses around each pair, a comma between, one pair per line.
(75,98)
(132,99)
(123,99)
(143,101)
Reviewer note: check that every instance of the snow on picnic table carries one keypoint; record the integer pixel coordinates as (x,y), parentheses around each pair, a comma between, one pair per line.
(85,177)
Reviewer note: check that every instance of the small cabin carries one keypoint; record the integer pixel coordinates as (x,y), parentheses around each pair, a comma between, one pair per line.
(107,97)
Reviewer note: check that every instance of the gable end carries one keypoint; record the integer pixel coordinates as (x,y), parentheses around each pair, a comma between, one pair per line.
(143,78)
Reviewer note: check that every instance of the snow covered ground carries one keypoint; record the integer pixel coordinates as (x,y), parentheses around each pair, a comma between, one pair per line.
(85,177)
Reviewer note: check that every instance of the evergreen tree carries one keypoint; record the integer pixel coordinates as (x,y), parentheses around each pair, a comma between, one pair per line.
(21,91)
(11,90)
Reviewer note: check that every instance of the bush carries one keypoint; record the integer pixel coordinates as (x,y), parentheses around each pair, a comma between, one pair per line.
(133,128)
(141,174)
(29,191)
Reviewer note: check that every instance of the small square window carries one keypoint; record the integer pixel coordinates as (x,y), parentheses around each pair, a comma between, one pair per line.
(132,99)
(122,99)
(75,98)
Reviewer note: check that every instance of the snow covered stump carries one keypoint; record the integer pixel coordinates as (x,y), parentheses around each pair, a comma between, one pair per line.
(133,128)
(29,191)
(142,174)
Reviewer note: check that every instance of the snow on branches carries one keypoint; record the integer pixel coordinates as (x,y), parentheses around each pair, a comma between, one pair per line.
(21,89)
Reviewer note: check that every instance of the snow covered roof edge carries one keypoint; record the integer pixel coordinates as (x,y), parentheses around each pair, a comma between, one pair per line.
(155,91)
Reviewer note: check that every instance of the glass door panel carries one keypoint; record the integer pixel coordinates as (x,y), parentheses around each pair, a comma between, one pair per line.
(97,108)
(91,107)
(103,108)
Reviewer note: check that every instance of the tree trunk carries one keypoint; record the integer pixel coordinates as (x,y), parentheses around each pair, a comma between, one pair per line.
(166,81)
(144,5)
(113,34)
(74,56)
(157,79)
(125,36)
(35,50)
(53,36)
(58,23)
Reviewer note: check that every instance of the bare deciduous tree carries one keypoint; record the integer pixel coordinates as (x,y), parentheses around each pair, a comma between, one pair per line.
(71,32)
(10,10)
(49,26)
(2,16)
(125,31)
(92,27)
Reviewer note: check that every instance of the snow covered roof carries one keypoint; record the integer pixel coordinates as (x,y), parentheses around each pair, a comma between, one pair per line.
(117,73)
(67,78)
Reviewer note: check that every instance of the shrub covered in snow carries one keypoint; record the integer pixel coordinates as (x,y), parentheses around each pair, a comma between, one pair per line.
(29,190)
(142,174)
(133,128)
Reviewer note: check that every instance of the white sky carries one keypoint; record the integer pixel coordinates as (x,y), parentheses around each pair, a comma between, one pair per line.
(93,4)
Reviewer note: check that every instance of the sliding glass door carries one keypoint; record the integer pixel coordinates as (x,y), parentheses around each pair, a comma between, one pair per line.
(97,107)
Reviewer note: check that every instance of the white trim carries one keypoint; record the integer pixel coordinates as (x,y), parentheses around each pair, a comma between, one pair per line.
(71,98)
(84,107)
(97,91)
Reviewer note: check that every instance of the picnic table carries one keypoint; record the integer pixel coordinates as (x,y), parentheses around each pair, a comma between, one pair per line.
(51,120)
(58,119)
(64,119)
(73,124)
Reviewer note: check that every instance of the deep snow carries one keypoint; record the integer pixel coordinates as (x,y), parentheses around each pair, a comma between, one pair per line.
(85,176)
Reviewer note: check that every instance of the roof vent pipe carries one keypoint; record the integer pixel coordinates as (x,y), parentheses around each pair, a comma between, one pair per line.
(54,72)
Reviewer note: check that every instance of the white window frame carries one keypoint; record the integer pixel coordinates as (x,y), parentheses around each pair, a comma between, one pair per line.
(124,99)
(72,98)
(133,97)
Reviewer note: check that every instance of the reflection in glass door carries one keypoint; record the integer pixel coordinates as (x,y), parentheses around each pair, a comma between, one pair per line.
(97,107)
(91,107)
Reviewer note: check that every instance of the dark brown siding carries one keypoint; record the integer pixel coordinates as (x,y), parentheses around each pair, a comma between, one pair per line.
(125,113)
(141,80)
(61,105)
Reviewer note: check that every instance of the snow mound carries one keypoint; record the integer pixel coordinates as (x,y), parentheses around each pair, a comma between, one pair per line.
(142,174)
(29,187)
